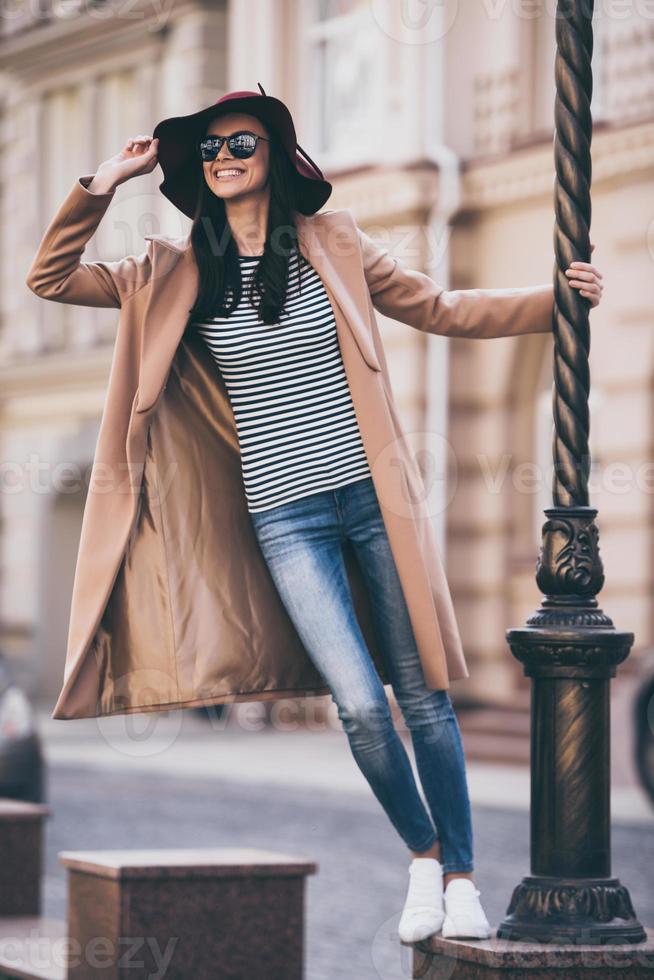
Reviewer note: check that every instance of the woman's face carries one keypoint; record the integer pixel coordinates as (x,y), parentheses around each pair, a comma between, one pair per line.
(252,172)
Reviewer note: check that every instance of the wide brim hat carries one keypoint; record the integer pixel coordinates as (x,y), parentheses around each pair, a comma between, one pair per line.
(178,154)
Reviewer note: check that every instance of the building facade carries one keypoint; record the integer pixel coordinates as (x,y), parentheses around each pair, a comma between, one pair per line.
(435,125)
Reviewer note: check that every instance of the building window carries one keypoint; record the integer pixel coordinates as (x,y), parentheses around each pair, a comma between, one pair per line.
(624,68)
(61,131)
(346,80)
(622,65)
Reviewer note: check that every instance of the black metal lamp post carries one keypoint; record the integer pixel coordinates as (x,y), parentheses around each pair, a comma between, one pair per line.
(569,647)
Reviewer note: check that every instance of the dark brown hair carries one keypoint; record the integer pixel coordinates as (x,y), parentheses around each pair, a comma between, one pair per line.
(217,256)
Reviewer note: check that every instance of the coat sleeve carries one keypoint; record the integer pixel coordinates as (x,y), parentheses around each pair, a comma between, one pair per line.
(414,298)
(57,272)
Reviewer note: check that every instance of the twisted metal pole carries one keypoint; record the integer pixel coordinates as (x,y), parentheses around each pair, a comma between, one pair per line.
(569,647)
(572,208)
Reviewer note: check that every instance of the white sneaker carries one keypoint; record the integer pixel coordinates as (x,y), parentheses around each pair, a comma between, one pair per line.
(464,916)
(423,909)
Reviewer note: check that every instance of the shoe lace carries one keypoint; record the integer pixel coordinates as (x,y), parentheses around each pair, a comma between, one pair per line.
(462,899)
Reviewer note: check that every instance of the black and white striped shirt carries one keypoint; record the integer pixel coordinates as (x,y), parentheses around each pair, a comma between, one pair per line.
(297,429)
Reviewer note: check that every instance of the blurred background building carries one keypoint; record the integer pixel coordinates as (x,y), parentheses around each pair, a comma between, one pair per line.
(435,125)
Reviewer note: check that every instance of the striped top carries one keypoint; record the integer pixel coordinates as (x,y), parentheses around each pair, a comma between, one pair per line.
(297,429)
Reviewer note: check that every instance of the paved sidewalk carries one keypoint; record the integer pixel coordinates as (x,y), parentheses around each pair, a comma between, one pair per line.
(241,748)
(354,901)
(179,779)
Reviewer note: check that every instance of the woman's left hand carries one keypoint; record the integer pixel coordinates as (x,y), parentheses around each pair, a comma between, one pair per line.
(587,279)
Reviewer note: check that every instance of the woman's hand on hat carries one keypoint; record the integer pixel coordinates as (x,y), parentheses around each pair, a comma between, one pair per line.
(138,156)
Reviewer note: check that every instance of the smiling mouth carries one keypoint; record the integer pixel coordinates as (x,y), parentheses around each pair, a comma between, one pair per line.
(228,174)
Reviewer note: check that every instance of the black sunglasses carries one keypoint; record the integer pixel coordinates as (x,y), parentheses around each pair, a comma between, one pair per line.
(241,145)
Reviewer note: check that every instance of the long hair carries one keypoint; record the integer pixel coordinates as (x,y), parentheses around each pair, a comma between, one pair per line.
(216,253)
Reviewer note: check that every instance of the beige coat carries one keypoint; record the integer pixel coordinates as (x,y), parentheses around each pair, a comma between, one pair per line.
(173,604)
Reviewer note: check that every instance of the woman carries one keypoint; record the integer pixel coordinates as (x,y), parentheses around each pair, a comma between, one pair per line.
(263,313)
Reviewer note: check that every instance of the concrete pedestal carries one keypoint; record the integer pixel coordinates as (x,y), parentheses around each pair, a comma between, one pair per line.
(214,912)
(21,856)
(500,959)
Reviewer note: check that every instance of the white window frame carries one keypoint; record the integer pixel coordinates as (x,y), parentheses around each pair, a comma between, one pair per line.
(313,32)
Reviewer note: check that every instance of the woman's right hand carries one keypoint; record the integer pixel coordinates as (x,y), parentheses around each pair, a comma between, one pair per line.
(138,156)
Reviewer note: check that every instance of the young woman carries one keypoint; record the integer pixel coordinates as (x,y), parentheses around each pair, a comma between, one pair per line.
(264,314)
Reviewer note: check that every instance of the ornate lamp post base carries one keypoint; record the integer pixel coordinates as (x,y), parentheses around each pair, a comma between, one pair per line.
(566,910)
(570,649)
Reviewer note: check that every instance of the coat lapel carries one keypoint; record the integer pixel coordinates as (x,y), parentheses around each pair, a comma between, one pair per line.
(175,290)
(165,318)
(342,274)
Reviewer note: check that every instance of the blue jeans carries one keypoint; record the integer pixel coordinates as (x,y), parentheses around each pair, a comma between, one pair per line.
(301,544)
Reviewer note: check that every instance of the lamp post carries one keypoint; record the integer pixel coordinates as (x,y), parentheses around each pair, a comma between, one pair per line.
(570,647)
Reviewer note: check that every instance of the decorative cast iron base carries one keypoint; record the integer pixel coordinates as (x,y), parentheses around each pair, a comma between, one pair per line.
(570,649)
(560,910)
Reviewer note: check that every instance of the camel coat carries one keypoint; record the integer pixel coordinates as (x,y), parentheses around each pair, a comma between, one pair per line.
(172,602)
